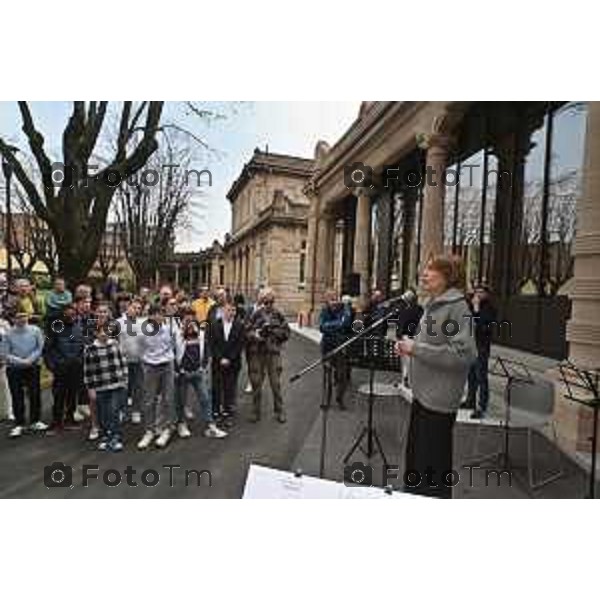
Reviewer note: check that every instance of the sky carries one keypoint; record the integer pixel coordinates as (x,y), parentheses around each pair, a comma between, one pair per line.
(285,127)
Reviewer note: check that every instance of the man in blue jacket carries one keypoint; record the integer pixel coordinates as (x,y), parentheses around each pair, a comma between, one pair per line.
(335,323)
(64,357)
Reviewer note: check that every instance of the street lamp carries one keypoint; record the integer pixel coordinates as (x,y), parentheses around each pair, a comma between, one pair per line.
(7,170)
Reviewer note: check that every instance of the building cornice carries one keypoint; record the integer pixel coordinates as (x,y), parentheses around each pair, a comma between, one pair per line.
(269,162)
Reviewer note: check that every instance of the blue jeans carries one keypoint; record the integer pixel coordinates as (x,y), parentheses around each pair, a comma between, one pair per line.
(478,379)
(199,382)
(108,405)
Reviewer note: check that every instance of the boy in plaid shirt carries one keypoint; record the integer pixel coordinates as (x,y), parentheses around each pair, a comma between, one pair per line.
(105,376)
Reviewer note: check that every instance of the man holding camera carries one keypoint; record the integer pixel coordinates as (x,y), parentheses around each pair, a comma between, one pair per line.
(267,330)
(335,323)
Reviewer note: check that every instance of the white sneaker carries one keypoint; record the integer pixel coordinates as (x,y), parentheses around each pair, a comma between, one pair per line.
(16,432)
(39,426)
(78,416)
(248,388)
(163,438)
(94,433)
(183,431)
(136,417)
(212,431)
(146,440)
(189,413)
(84,410)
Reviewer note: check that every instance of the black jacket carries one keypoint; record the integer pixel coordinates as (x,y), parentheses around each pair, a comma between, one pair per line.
(190,361)
(230,348)
(484,329)
(64,347)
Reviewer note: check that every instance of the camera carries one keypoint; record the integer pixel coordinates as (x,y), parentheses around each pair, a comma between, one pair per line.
(358,474)
(61,175)
(58,475)
(358,175)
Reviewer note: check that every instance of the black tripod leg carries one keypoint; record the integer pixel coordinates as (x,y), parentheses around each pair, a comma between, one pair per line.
(325,404)
(380,448)
(355,445)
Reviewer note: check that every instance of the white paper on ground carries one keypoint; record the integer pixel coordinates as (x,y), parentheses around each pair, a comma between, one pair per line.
(264,483)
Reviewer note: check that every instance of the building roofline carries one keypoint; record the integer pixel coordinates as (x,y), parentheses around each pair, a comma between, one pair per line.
(294,166)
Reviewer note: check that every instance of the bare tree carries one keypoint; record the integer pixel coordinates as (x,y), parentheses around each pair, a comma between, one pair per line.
(149,216)
(75,210)
(109,253)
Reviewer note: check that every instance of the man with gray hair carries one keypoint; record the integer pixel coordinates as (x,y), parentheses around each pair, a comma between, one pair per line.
(267,331)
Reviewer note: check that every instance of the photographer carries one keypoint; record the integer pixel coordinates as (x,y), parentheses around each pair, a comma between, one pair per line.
(441,355)
(335,323)
(267,330)
(484,314)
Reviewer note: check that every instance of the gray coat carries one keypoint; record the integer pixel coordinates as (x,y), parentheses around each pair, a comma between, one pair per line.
(441,361)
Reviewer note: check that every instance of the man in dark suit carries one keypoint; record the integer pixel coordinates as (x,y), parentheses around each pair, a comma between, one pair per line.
(227,344)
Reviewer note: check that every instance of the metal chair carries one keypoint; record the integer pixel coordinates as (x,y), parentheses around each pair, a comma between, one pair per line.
(531,408)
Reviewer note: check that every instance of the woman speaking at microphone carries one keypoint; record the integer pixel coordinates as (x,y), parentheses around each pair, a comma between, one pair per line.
(441,355)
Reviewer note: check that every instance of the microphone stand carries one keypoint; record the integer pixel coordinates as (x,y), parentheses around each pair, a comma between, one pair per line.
(327,386)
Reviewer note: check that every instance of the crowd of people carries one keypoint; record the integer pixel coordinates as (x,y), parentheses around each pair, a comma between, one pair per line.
(338,322)
(437,364)
(160,359)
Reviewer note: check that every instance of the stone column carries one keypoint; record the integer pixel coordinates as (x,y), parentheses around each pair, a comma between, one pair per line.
(362,240)
(583,329)
(310,298)
(176,275)
(511,152)
(324,256)
(432,235)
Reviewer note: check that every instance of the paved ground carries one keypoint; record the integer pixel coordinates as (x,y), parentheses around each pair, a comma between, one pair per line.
(22,461)
(294,445)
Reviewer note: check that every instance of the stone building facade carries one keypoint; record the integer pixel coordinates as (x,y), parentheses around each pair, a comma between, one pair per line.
(267,245)
(524,214)
(192,270)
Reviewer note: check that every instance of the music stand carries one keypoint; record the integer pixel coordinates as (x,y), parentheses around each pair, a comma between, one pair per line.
(583,387)
(514,372)
(393,309)
(371,353)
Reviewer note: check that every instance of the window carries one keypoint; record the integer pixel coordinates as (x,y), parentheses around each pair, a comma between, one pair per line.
(221,274)
(529,239)
(564,191)
(302,266)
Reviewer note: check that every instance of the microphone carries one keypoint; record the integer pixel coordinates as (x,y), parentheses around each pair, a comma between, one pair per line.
(405,300)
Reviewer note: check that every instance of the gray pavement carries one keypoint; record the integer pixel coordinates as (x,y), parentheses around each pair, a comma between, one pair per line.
(294,445)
